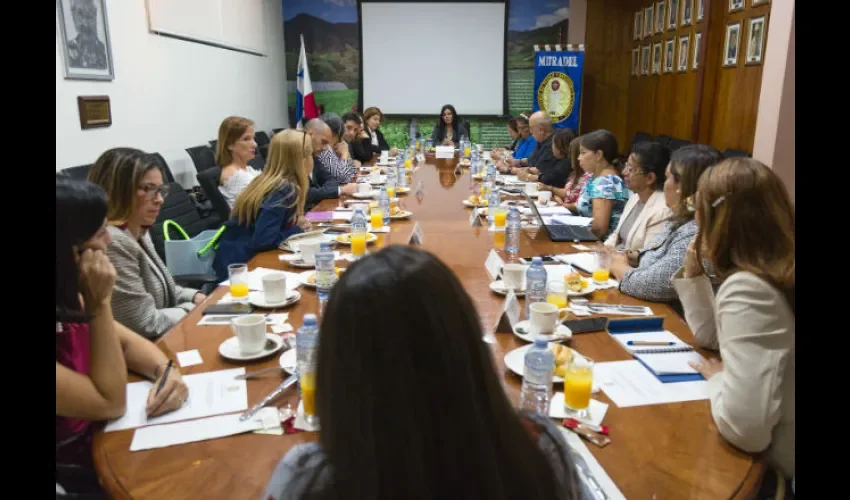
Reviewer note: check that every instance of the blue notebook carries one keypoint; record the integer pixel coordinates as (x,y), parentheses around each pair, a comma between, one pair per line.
(668,363)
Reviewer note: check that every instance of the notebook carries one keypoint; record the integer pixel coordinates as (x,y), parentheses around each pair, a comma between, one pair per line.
(667,363)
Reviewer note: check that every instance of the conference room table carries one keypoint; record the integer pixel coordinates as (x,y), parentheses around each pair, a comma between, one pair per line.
(659,451)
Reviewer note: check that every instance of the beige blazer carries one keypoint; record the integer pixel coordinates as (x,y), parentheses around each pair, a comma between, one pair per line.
(752,399)
(648,225)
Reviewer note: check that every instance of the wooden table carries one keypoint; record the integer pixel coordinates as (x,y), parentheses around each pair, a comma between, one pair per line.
(661,451)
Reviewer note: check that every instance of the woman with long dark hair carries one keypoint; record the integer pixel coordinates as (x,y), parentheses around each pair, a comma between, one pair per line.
(450,129)
(417,412)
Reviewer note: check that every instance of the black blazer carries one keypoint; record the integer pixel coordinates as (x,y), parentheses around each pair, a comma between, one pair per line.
(438,135)
(362,149)
(322,186)
(553,171)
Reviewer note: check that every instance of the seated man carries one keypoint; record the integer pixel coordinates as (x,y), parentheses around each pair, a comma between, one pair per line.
(322,184)
(543,165)
(335,158)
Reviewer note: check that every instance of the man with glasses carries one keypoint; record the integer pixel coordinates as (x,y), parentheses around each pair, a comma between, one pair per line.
(322,183)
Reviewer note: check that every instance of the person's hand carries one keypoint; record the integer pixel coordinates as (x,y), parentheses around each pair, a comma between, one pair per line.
(708,368)
(619,265)
(543,187)
(512,162)
(357,163)
(303,223)
(342,150)
(533,170)
(364,135)
(693,266)
(349,188)
(172,396)
(632,257)
(97,277)
(198,298)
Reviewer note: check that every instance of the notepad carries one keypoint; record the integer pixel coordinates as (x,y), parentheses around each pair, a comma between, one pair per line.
(662,360)
(586,261)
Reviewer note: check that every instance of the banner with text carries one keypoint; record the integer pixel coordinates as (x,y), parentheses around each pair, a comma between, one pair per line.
(557,86)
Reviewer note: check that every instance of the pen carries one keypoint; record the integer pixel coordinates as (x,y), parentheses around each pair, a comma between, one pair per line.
(646,342)
(164,376)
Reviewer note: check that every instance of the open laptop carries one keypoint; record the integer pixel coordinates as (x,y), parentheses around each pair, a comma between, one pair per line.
(561,232)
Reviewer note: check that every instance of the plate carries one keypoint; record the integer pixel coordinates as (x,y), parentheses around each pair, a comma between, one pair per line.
(317,235)
(401,190)
(498,286)
(479,177)
(230,349)
(258,299)
(468,203)
(345,239)
(561,333)
(365,196)
(515,361)
(288,361)
(372,204)
(308,278)
(402,215)
(590,288)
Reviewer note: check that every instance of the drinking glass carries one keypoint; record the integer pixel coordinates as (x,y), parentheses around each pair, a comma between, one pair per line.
(238,274)
(578,385)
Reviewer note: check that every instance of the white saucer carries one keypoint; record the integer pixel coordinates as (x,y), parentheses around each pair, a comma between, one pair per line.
(364,196)
(515,361)
(498,286)
(258,299)
(468,203)
(230,349)
(561,333)
(304,275)
(288,361)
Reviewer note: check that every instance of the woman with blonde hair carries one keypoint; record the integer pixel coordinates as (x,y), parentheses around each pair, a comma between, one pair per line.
(746,231)
(271,208)
(236,147)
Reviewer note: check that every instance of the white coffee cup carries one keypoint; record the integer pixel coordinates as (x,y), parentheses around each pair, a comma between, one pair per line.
(364,187)
(308,251)
(531,187)
(486,155)
(545,317)
(251,332)
(274,288)
(544,196)
(385,156)
(513,276)
(375,177)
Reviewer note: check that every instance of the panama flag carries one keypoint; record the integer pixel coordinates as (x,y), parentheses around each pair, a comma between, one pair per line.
(305,106)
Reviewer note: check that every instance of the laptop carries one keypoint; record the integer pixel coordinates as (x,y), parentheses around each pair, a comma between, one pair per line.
(561,232)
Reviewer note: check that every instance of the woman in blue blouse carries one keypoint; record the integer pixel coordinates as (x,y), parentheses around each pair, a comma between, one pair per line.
(271,208)
(526,143)
(604,197)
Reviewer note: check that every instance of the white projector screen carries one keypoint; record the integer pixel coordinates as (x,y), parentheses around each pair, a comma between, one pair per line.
(419,56)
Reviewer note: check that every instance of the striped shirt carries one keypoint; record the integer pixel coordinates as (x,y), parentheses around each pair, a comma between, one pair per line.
(342,171)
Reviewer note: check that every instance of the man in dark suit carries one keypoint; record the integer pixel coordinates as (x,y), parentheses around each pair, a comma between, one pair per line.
(542,164)
(322,184)
(85,50)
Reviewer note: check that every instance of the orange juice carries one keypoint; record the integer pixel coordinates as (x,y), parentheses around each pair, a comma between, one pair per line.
(408,163)
(307,382)
(601,275)
(377,218)
(499,239)
(499,217)
(391,192)
(358,244)
(558,300)
(466,152)
(238,290)
(577,387)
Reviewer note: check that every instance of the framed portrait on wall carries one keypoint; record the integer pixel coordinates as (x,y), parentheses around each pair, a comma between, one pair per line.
(669,53)
(695,65)
(84,32)
(660,8)
(673,14)
(647,21)
(684,45)
(638,25)
(730,46)
(687,12)
(635,61)
(735,5)
(755,40)
(700,10)
(656,59)
(644,60)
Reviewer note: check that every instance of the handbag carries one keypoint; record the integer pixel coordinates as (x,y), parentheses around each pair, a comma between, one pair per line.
(190,256)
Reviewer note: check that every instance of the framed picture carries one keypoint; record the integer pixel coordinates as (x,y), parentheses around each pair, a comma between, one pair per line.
(638,25)
(673,14)
(85,39)
(660,8)
(730,46)
(669,49)
(687,12)
(755,40)
(656,59)
(735,5)
(635,61)
(756,3)
(700,10)
(684,45)
(697,38)
(647,22)
(644,60)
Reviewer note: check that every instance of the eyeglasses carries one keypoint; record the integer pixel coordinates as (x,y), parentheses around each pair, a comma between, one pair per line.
(151,191)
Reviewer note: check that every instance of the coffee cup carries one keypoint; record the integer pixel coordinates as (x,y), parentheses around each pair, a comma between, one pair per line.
(545,318)
(375,177)
(531,187)
(274,288)
(513,276)
(308,251)
(364,187)
(250,330)
(544,196)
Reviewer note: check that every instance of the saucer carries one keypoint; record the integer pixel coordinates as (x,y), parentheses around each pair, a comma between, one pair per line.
(230,348)
(515,361)
(364,196)
(301,263)
(402,215)
(498,286)
(258,299)
(288,361)
(561,333)
(590,288)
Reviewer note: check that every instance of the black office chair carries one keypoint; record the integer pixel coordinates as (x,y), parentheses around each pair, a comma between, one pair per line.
(641,137)
(209,180)
(169,177)
(261,138)
(735,153)
(214,145)
(276,130)
(259,160)
(264,152)
(202,156)
(676,144)
(79,173)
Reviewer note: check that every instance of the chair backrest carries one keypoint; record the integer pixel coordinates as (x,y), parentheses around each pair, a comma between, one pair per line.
(732,153)
(209,180)
(169,177)
(214,145)
(276,130)
(261,138)
(178,206)
(202,156)
(79,173)
(259,160)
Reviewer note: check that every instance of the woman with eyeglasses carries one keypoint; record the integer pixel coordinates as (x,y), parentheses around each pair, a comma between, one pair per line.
(271,208)
(746,231)
(646,211)
(646,273)
(146,298)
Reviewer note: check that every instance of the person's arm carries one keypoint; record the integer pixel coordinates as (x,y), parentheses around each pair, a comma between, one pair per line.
(602,208)
(382,142)
(271,219)
(653,282)
(359,151)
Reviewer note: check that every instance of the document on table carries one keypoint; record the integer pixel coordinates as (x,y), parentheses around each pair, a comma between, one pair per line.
(344,215)
(629,383)
(210,393)
(571,220)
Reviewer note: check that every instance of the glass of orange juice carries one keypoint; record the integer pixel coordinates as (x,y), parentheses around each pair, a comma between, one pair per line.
(499,239)
(556,294)
(602,273)
(578,384)
(307,386)
(500,215)
(466,151)
(408,163)
(377,218)
(358,244)
(238,274)
(391,191)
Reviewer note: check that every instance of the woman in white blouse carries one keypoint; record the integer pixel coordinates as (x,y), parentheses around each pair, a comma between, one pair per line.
(746,230)
(236,147)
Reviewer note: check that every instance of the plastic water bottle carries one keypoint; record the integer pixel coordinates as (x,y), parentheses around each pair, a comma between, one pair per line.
(391,177)
(491,173)
(400,175)
(536,392)
(535,284)
(430,143)
(325,273)
(307,355)
(514,224)
(384,203)
(493,201)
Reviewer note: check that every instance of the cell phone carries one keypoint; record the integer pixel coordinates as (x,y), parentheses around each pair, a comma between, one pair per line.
(587,325)
(547,259)
(231,308)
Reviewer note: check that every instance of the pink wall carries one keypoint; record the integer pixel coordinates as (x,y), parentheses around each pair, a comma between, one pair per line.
(774,141)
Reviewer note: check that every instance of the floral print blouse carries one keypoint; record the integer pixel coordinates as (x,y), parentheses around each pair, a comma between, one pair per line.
(606,187)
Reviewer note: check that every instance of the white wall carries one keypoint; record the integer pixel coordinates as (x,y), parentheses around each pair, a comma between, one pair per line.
(170,94)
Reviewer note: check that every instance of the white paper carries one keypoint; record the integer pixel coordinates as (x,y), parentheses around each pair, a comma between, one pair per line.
(586,261)
(473,217)
(572,220)
(210,393)
(658,336)
(671,363)
(508,179)
(300,422)
(580,247)
(160,436)
(629,383)
(545,211)
(602,478)
(445,151)
(189,358)
(493,264)
(284,328)
(344,215)
(416,236)
(597,410)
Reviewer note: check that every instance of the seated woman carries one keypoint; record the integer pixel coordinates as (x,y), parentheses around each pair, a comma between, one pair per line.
(459,432)
(604,197)
(93,351)
(746,230)
(236,147)
(271,208)
(568,195)
(646,212)
(646,273)
(450,129)
(370,141)
(335,159)
(513,131)
(146,298)
(526,144)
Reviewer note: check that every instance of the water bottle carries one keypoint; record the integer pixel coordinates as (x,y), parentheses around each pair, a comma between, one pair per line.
(430,143)
(325,273)
(535,284)
(391,177)
(400,175)
(491,173)
(307,355)
(514,224)
(536,392)
(384,203)
(493,202)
